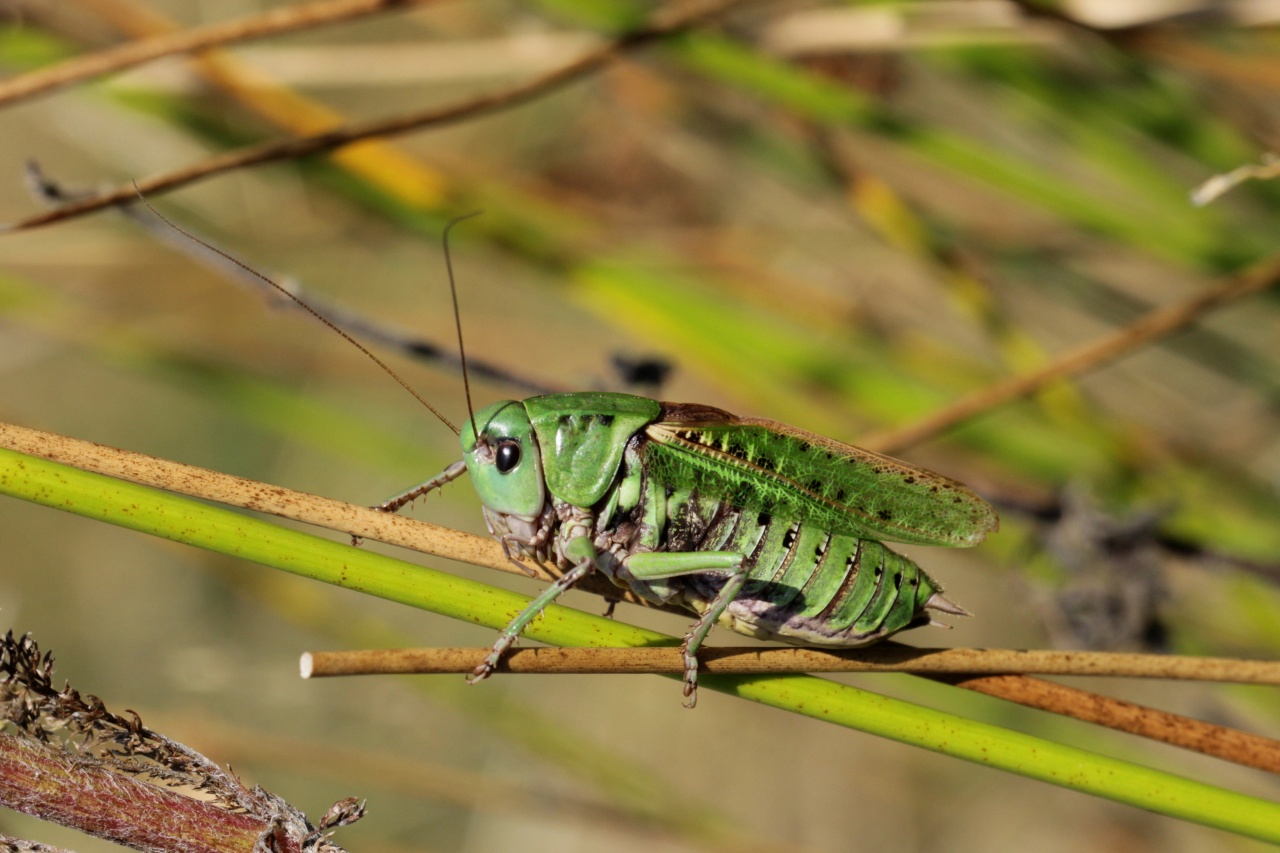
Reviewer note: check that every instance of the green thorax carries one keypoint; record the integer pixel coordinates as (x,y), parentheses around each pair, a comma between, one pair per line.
(582,436)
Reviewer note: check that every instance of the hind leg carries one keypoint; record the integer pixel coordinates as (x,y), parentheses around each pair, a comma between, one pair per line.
(649,566)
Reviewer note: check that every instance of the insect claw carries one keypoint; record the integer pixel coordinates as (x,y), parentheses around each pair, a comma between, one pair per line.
(934,623)
(487,666)
(945,605)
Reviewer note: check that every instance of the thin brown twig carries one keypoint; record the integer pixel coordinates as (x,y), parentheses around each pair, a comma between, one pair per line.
(131,54)
(378,163)
(1174,729)
(665,23)
(428,538)
(726,660)
(949,666)
(1239,747)
(1090,356)
(357,521)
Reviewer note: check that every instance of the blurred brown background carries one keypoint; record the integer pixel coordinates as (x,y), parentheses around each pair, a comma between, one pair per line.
(841,217)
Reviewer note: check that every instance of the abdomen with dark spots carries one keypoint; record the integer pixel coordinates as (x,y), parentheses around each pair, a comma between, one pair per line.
(804,584)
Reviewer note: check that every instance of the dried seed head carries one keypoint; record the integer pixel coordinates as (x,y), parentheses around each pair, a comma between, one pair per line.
(119,748)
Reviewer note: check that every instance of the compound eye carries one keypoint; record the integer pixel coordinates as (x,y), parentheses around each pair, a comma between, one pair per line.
(508,456)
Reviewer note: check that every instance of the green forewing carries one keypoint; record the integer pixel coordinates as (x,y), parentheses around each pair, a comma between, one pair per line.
(789,473)
(582,436)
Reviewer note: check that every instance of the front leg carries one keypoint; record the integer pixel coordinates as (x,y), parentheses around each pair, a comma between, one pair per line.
(395,504)
(655,565)
(581,548)
(448,475)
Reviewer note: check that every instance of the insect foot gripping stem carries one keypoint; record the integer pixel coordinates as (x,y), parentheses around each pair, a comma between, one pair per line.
(660,565)
(698,633)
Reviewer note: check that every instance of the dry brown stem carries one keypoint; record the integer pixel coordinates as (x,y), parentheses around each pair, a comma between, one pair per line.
(431,539)
(1234,745)
(353,520)
(69,760)
(951,666)
(665,24)
(1157,324)
(63,788)
(131,54)
(724,660)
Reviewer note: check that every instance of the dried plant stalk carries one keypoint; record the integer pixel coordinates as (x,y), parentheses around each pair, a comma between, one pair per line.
(950,666)
(730,660)
(71,761)
(667,23)
(51,784)
(1156,324)
(119,58)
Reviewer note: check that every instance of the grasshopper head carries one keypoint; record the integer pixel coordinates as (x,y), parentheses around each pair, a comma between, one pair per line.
(504,461)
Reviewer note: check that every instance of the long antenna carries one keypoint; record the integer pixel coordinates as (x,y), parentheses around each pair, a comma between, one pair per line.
(313,312)
(457,316)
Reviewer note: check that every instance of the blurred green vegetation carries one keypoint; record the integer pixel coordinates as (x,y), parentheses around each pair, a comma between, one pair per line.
(840,236)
